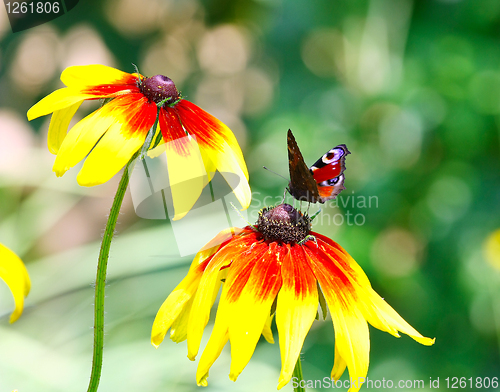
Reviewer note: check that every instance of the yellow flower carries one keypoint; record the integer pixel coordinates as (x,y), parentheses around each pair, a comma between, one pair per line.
(111,135)
(278,266)
(14,273)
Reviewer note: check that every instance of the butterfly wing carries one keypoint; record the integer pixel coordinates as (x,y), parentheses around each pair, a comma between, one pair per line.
(302,184)
(328,172)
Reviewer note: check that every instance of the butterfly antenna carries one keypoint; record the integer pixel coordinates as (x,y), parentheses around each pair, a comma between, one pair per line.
(242,217)
(279,175)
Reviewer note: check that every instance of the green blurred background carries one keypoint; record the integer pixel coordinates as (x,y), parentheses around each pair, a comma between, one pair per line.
(412,88)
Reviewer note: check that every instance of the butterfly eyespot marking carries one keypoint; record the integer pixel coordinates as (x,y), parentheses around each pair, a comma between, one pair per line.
(333,155)
(332,181)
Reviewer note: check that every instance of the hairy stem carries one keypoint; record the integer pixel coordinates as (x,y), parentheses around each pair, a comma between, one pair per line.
(100,281)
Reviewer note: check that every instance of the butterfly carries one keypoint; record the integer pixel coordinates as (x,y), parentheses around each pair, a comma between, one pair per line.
(322,181)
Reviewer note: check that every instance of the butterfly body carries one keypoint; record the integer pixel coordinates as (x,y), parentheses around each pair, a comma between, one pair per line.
(322,181)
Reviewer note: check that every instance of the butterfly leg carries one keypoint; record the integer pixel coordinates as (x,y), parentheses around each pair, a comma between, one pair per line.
(284,196)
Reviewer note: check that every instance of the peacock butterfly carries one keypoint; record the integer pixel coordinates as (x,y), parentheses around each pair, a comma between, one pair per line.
(322,181)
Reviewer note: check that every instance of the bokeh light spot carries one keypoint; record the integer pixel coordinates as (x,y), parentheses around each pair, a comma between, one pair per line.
(36,59)
(491,249)
(224,50)
(396,252)
(449,198)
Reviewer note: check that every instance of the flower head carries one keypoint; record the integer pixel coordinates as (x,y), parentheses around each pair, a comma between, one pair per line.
(112,134)
(14,273)
(277,263)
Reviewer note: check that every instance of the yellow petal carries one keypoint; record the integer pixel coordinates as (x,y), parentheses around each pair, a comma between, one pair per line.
(59,126)
(112,152)
(210,281)
(170,310)
(351,329)
(229,164)
(387,315)
(14,274)
(180,300)
(187,174)
(375,310)
(339,365)
(352,341)
(250,310)
(296,309)
(82,138)
(58,100)
(215,344)
(267,331)
(242,318)
(91,75)
(178,331)
(232,143)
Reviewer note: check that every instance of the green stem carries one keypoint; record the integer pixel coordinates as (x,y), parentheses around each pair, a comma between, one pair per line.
(102,263)
(298,377)
(100,281)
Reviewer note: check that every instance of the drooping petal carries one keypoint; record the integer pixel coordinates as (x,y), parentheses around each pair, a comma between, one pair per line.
(220,144)
(251,286)
(84,76)
(339,365)
(216,343)
(190,169)
(227,164)
(267,331)
(387,316)
(177,303)
(351,329)
(14,274)
(57,100)
(112,152)
(376,311)
(187,174)
(249,302)
(178,330)
(296,309)
(202,304)
(352,302)
(59,126)
(81,139)
(352,340)
(209,130)
(125,122)
(85,82)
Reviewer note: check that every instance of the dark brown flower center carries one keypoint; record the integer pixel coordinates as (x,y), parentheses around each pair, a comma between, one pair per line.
(158,89)
(283,224)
